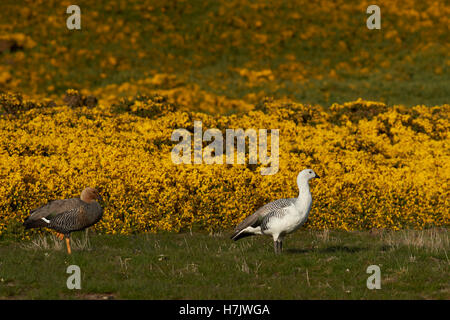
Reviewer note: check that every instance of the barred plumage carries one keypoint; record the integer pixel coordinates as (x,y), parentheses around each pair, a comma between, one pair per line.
(277,213)
(275,205)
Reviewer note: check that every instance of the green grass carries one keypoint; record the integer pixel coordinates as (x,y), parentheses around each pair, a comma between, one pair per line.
(314,265)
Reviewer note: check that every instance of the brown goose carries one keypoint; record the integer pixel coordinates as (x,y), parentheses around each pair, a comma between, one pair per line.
(68,215)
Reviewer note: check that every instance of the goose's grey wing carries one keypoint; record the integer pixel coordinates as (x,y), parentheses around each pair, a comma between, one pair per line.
(256,218)
(39,217)
(71,220)
(275,214)
(55,207)
(274,205)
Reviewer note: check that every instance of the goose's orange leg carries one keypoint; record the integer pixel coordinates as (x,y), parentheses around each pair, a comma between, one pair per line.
(69,250)
(60,236)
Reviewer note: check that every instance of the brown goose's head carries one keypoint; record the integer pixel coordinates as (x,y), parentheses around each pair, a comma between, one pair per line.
(90,194)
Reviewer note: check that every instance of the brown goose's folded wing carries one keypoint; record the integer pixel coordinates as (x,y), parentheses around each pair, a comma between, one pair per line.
(50,211)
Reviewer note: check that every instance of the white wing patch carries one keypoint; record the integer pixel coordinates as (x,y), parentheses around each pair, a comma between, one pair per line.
(46,220)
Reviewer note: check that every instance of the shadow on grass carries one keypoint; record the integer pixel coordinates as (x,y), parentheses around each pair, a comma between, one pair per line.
(331,249)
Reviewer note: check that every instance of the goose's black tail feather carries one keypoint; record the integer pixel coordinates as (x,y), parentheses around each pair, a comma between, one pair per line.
(239,235)
(29,224)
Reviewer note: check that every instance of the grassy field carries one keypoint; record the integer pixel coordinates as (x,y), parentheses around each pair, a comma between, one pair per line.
(299,66)
(314,265)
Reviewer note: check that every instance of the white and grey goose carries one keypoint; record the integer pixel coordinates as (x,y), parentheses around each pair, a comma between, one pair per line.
(280,217)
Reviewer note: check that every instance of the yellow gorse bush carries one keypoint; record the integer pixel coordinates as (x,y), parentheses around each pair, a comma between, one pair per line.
(381,166)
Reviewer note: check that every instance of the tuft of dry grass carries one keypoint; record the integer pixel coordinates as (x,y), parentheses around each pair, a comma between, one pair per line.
(44,242)
(51,242)
(322,235)
(433,240)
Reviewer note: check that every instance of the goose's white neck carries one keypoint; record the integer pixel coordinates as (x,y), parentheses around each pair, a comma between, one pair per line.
(303,187)
(304,199)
